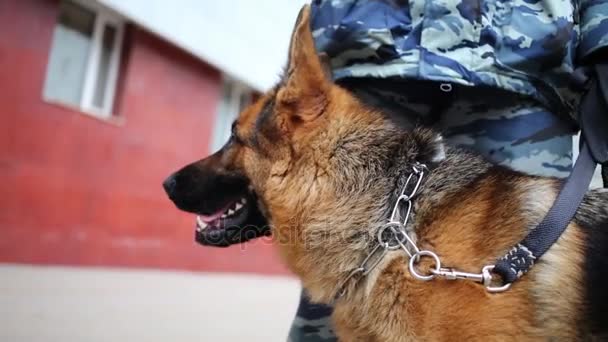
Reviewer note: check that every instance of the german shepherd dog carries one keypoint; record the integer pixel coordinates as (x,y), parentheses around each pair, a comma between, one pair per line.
(323,171)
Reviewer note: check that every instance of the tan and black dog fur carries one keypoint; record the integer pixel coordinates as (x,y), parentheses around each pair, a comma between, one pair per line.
(326,171)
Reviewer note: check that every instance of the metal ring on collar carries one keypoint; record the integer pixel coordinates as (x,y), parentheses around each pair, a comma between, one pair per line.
(417,256)
(486,271)
(397,229)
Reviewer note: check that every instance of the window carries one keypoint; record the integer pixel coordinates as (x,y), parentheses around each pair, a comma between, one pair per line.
(84,58)
(235,97)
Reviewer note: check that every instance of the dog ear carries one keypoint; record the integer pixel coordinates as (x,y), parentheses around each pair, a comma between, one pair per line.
(306,83)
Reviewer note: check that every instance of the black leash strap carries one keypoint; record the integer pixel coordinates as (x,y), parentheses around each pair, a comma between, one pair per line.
(593,119)
(521,258)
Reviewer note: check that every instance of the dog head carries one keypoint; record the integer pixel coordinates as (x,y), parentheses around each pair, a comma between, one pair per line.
(285,154)
(224,188)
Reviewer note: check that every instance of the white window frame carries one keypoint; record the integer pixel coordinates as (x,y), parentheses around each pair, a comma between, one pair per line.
(103,17)
(228,111)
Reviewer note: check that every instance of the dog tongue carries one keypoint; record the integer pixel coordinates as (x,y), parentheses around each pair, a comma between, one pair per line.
(213,217)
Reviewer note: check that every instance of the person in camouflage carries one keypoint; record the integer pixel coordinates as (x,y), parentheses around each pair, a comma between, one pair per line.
(494,76)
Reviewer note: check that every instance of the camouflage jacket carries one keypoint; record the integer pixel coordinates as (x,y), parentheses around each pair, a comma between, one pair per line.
(527,46)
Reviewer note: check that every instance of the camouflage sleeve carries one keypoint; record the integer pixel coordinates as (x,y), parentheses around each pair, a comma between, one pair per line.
(594,26)
(312,323)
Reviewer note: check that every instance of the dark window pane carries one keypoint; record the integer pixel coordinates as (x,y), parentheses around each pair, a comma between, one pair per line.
(105,56)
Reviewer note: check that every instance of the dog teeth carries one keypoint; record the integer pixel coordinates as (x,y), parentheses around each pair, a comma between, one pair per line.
(236,206)
(200,224)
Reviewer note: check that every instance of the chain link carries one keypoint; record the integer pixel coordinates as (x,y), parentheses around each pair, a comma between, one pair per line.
(368,264)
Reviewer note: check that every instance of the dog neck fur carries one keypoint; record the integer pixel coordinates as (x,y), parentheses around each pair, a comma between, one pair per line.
(365,169)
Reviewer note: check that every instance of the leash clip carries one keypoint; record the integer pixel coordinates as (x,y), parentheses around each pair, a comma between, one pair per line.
(485,277)
(452,274)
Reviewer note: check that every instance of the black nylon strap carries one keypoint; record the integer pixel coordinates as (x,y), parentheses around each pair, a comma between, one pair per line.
(522,257)
(593,119)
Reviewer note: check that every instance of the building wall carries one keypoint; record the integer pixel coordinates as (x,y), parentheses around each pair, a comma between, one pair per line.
(77,190)
(258,29)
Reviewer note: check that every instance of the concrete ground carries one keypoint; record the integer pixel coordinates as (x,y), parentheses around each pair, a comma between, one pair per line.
(41,303)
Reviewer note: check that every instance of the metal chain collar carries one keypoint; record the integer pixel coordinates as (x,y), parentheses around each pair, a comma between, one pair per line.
(393,236)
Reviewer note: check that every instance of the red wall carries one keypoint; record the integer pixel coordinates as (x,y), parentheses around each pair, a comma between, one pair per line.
(78,190)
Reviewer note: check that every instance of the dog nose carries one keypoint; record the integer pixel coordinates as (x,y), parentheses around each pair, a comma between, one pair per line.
(170,184)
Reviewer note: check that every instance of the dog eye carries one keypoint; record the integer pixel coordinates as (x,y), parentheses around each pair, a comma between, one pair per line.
(237,139)
(234,136)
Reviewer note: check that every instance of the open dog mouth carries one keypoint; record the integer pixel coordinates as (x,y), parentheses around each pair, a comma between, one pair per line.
(238,221)
(233,214)
(226,206)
